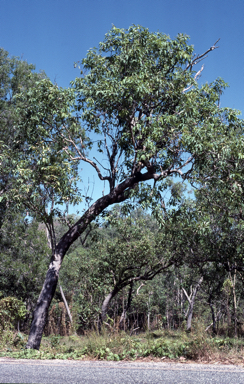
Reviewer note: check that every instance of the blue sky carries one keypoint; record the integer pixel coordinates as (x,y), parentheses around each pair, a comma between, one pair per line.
(53,34)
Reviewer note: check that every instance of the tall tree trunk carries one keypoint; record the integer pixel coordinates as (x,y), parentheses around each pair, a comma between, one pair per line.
(228,314)
(214,329)
(148,311)
(43,303)
(167,311)
(233,281)
(65,303)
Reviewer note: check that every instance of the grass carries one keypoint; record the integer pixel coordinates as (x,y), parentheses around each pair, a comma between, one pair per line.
(157,346)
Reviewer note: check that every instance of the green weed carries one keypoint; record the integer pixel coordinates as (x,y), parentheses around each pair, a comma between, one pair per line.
(121,346)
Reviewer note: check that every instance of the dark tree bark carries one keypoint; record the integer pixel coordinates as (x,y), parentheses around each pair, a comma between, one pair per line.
(41,311)
(214,329)
(123,316)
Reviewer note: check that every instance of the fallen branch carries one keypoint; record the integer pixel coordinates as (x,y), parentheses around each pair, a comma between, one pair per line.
(133,330)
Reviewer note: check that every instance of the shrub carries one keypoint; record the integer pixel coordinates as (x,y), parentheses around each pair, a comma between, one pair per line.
(12,310)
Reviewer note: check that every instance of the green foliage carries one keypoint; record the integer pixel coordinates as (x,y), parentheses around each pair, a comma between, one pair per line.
(16,76)
(131,248)
(42,170)
(54,340)
(11,311)
(83,286)
(141,91)
(24,256)
(35,116)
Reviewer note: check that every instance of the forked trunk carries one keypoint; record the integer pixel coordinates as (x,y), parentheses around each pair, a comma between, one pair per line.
(191,301)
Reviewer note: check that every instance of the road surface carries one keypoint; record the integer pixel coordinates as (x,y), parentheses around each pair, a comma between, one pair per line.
(99,372)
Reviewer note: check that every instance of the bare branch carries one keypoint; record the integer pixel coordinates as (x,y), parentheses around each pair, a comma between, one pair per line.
(196,77)
(138,289)
(106,169)
(199,57)
(186,295)
(83,158)
(178,170)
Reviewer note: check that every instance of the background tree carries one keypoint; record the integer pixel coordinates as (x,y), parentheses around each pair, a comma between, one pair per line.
(135,254)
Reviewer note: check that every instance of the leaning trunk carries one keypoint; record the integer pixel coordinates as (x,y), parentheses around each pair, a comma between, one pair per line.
(41,311)
(117,195)
(66,304)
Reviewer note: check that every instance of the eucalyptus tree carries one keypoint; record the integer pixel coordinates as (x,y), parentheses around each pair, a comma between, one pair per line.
(139,94)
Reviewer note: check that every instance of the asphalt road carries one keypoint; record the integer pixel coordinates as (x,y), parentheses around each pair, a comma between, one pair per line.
(97,372)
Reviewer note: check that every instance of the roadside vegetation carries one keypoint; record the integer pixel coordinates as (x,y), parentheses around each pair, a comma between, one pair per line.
(163,345)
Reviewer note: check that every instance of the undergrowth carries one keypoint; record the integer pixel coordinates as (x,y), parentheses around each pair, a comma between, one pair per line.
(121,346)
